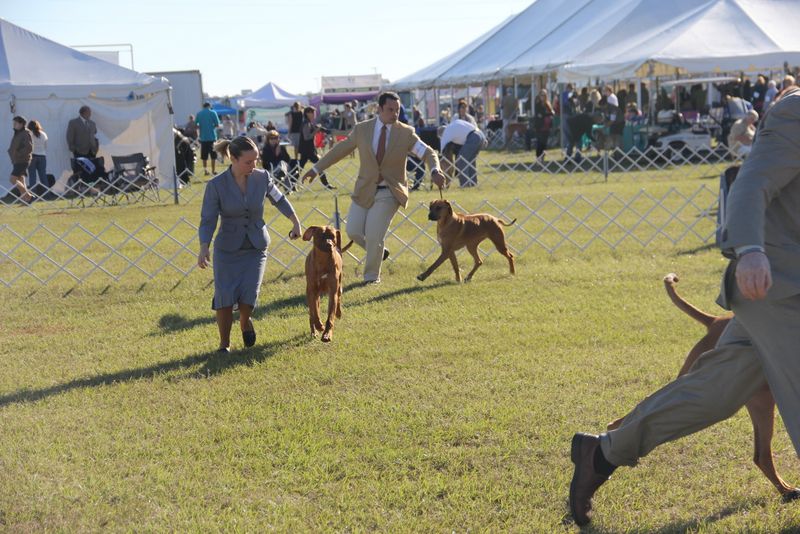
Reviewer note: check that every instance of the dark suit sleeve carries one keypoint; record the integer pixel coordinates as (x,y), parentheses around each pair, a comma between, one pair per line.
(773,163)
(71,136)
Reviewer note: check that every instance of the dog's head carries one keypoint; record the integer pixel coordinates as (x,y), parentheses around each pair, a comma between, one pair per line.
(325,237)
(439,210)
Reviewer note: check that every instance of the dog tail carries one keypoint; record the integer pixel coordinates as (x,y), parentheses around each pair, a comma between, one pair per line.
(701,317)
(505,223)
(347,246)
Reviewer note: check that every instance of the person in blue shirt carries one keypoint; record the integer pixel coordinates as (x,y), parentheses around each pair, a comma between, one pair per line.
(207,121)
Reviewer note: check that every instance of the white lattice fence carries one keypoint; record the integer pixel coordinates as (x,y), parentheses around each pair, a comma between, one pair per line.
(495,169)
(42,253)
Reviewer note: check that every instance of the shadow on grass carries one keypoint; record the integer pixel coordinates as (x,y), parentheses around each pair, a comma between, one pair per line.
(173,322)
(682,526)
(213,363)
(702,248)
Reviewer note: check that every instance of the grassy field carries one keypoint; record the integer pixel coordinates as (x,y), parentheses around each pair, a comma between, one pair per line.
(438,407)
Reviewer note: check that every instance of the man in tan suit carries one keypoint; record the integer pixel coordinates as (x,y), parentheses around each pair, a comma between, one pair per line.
(381,187)
(82,134)
(762,286)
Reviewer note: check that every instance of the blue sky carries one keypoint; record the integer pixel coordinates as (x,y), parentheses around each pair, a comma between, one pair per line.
(240,44)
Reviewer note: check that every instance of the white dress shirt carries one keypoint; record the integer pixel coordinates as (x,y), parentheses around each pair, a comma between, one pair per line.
(457,132)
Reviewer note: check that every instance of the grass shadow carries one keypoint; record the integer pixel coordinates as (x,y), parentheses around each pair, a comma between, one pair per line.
(696,250)
(213,363)
(681,526)
(173,322)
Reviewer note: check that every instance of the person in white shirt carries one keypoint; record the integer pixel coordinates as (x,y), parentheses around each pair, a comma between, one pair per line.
(38,166)
(228,127)
(462,140)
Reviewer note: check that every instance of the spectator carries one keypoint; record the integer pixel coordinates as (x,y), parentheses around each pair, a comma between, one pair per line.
(270,127)
(82,135)
(21,151)
(509,108)
(740,140)
(37,171)
(463,115)
(542,123)
(275,160)
(294,121)
(569,108)
(462,141)
(228,127)
(190,128)
(256,133)
(184,156)
(207,121)
(788,81)
(593,106)
(769,96)
(759,92)
(632,114)
(348,117)
(307,148)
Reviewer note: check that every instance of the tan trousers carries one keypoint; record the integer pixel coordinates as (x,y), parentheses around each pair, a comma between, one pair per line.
(367,228)
(762,342)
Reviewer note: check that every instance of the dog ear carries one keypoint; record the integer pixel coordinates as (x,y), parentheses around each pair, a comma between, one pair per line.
(338,239)
(310,232)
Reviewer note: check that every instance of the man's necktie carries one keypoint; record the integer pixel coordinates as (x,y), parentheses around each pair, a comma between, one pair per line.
(381,145)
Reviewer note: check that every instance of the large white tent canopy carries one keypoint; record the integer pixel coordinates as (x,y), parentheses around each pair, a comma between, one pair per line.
(694,36)
(49,82)
(624,39)
(271,96)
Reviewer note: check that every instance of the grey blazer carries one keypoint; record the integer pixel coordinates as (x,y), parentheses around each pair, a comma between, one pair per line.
(240,214)
(764,202)
(82,138)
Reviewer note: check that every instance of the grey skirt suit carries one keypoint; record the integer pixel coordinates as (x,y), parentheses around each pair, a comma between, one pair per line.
(240,248)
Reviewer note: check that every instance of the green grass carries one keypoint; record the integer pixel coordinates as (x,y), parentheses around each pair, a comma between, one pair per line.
(438,407)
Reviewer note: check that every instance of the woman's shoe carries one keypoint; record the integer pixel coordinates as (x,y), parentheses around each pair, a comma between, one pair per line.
(249,336)
(224,350)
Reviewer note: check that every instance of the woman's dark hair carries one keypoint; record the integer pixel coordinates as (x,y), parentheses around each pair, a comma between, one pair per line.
(236,146)
(36,128)
(20,120)
(308,110)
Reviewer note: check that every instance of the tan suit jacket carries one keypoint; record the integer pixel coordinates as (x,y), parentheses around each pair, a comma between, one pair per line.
(392,169)
(764,202)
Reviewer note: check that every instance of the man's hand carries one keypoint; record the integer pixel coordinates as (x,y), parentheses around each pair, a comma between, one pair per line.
(310,175)
(753,275)
(437,178)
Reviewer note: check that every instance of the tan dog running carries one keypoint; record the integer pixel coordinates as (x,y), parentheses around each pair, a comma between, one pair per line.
(456,231)
(324,275)
(761,405)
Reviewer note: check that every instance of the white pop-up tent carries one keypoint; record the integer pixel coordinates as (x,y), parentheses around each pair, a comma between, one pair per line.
(692,36)
(271,96)
(49,82)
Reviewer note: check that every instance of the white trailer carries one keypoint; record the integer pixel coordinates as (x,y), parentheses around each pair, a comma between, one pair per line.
(187,93)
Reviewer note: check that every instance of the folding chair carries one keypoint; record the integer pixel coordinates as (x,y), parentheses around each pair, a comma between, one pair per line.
(89,180)
(134,178)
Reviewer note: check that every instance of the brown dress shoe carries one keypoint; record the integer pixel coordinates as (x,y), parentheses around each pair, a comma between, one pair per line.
(585,480)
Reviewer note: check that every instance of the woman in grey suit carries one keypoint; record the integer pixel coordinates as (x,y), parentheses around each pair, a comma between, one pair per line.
(236,197)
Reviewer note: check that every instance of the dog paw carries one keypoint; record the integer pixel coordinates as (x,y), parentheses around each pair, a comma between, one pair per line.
(792,495)
(327,337)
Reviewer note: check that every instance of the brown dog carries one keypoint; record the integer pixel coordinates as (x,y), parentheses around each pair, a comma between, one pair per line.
(324,274)
(761,405)
(456,231)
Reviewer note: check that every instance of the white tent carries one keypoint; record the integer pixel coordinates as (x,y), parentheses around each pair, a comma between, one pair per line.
(623,39)
(693,36)
(271,96)
(430,75)
(49,82)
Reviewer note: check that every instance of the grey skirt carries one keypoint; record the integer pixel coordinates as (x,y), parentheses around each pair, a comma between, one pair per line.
(237,276)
